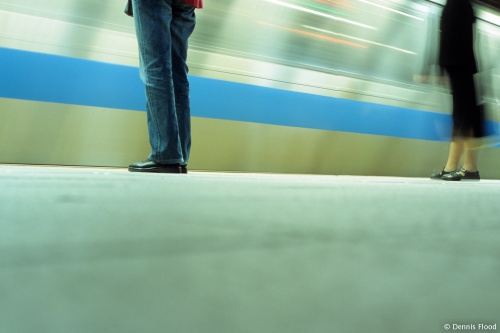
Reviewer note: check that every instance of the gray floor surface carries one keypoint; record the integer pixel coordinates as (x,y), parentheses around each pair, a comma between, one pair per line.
(103,250)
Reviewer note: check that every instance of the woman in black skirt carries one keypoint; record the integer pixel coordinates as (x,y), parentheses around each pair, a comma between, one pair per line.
(456,57)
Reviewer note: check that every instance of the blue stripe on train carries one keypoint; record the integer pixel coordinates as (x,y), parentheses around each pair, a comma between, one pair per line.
(57,79)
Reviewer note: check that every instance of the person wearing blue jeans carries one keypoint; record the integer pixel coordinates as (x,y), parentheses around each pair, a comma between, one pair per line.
(163,28)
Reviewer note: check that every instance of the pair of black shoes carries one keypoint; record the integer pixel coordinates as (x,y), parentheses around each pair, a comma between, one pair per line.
(456,175)
(150,166)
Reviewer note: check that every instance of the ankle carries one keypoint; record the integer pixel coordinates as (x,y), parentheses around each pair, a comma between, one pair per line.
(470,167)
(448,168)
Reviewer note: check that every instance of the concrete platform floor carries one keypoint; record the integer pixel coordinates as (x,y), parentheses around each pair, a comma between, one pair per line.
(103,250)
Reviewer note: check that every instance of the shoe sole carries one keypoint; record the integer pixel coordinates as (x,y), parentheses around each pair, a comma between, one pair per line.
(155,170)
(462,179)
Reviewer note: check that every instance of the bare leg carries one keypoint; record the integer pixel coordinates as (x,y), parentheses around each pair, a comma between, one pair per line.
(454,155)
(470,155)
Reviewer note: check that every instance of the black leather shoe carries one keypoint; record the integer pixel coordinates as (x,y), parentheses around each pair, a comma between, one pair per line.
(462,174)
(440,174)
(150,166)
(184,169)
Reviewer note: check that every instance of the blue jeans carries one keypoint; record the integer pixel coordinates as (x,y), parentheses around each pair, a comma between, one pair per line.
(163,28)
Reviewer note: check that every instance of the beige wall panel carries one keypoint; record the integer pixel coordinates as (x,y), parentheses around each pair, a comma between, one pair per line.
(237,146)
(47,133)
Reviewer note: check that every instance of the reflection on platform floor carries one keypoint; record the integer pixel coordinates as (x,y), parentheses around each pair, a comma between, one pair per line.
(104,250)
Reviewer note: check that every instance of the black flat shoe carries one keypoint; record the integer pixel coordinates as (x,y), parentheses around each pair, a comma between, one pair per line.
(439,175)
(184,169)
(150,166)
(462,174)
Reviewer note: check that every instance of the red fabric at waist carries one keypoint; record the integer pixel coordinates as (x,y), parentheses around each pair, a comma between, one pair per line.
(196,3)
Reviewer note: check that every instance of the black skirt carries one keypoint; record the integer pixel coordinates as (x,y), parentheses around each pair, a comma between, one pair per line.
(468,114)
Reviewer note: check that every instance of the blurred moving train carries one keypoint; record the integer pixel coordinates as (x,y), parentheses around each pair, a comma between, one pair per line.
(293,86)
